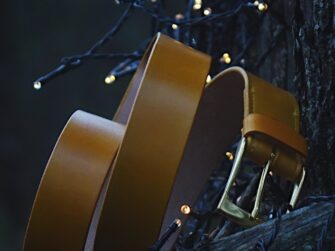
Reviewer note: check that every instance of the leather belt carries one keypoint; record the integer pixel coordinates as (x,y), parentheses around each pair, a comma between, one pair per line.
(172,135)
(66,213)
(71,183)
(270,138)
(165,94)
(269,116)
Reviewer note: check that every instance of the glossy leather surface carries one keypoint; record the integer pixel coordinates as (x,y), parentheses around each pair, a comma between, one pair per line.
(67,207)
(217,123)
(175,135)
(271,125)
(70,186)
(268,114)
(149,157)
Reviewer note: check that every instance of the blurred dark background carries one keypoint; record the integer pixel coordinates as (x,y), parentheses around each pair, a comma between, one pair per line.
(35,35)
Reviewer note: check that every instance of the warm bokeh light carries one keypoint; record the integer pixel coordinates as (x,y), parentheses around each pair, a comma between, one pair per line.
(37,85)
(262,7)
(225,58)
(179,16)
(208,79)
(185,209)
(197,5)
(174,26)
(178,222)
(207,11)
(229,155)
(110,79)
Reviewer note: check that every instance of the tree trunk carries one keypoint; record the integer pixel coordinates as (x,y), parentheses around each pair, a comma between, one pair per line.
(303,63)
(303,229)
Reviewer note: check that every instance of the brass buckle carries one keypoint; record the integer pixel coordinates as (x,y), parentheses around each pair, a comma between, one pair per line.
(236,213)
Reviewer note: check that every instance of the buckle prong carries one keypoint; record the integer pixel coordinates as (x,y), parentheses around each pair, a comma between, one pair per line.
(260,189)
(236,213)
(297,188)
(235,168)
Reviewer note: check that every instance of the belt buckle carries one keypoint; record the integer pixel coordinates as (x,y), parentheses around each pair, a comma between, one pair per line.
(239,215)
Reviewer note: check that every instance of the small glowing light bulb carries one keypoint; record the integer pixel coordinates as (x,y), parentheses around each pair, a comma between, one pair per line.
(174,26)
(225,58)
(207,11)
(262,7)
(110,79)
(37,85)
(185,209)
(208,79)
(256,3)
(117,1)
(179,16)
(197,4)
(229,155)
(178,222)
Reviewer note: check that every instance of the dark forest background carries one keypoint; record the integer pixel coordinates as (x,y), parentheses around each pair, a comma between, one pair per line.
(35,35)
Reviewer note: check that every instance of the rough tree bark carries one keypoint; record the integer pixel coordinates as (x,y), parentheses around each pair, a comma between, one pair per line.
(315,42)
(299,230)
(302,63)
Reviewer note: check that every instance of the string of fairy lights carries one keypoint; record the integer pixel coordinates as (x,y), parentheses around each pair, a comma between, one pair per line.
(183,26)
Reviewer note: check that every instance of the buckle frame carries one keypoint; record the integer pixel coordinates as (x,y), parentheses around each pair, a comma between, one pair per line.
(237,214)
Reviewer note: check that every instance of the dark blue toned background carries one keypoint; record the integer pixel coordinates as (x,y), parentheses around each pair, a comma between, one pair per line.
(34,37)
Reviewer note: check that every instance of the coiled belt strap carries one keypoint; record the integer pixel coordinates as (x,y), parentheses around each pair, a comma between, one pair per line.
(152,148)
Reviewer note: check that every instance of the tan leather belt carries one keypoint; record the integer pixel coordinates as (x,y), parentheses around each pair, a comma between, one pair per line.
(68,192)
(66,213)
(149,157)
(270,138)
(269,116)
(172,136)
